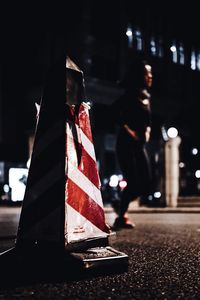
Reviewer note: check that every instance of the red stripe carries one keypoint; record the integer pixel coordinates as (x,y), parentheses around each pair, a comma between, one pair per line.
(72,143)
(84,122)
(85,205)
(87,165)
(82,119)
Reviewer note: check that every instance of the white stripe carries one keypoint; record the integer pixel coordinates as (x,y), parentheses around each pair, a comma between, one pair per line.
(88,146)
(69,126)
(71,152)
(82,139)
(84,183)
(73,219)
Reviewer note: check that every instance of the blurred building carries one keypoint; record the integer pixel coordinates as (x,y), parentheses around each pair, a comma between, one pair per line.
(103,37)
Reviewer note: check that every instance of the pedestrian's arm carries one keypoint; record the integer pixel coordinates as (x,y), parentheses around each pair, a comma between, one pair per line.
(131,132)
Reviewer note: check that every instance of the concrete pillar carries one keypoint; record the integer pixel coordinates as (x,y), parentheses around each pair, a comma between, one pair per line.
(172,171)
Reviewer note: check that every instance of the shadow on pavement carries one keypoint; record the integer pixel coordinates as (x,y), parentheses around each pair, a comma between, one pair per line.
(20,267)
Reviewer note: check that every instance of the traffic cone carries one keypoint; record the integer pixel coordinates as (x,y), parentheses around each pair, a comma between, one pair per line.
(62,209)
(43,211)
(84,206)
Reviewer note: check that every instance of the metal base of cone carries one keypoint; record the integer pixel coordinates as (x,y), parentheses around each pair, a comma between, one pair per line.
(86,244)
(103,258)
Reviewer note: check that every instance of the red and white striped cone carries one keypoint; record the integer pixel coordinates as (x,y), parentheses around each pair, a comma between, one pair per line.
(62,202)
(84,206)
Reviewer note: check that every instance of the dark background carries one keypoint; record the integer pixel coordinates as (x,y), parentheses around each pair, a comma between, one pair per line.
(35,35)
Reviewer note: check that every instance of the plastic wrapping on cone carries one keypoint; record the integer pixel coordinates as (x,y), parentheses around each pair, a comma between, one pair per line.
(84,206)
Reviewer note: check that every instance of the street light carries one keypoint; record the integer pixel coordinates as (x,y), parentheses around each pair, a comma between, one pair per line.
(172,132)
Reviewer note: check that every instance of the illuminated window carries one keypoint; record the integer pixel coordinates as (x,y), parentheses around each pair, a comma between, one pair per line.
(156,46)
(181,55)
(138,39)
(193,60)
(198,61)
(17,182)
(160,47)
(173,49)
(129,35)
(153,46)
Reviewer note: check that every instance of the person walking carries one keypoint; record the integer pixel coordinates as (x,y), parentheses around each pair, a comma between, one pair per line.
(132,112)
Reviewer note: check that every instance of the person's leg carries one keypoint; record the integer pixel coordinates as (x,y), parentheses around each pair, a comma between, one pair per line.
(128,195)
(127,164)
(144,174)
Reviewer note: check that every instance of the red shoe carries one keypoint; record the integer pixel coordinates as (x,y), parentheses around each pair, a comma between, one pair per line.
(128,223)
(123,222)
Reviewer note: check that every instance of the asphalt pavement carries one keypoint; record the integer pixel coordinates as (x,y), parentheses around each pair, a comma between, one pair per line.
(163,260)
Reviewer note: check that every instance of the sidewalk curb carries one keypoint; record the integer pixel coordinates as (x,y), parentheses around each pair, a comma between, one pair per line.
(158,210)
(133,209)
